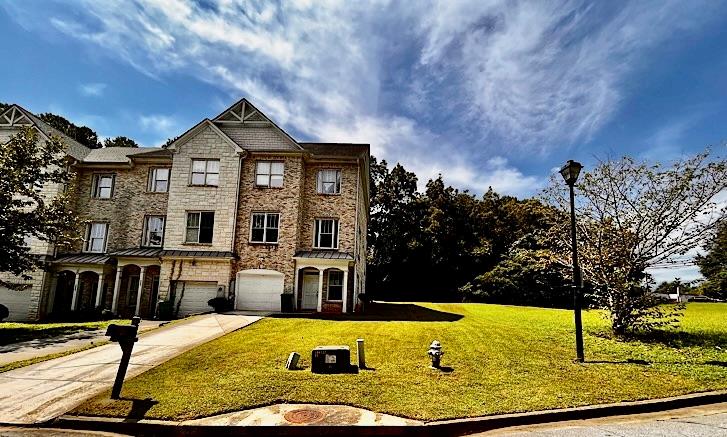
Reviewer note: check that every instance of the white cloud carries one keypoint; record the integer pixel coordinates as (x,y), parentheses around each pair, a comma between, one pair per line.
(439,87)
(95,89)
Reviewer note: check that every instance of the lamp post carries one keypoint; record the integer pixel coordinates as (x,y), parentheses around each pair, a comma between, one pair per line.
(570,172)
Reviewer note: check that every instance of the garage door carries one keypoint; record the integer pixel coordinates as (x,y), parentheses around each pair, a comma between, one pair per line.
(259,289)
(18,303)
(196,295)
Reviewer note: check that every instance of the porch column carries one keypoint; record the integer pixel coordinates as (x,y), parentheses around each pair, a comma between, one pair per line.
(117,287)
(76,286)
(320,290)
(141,288)
(295,288)
(345,290)
(99,289)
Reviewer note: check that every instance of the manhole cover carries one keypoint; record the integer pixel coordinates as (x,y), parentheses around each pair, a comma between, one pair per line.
(303,416)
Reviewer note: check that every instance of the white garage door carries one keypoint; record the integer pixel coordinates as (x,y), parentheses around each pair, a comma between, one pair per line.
(196,295)
(259,289)
(18,303)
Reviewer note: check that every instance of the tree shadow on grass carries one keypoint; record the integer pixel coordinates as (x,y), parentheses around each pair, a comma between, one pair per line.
(139,408)
(673,339)
(382,311)
(46,336)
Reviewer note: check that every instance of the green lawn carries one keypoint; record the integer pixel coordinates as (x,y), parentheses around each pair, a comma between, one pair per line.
(504,359)
(12,332)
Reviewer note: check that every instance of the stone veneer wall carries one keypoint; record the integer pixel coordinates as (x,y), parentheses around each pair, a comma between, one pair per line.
(183,197)
(286,201)
(340,206)
(125,210)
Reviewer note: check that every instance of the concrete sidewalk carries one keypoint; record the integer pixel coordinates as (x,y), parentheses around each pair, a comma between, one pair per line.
(42,391)
(41,347)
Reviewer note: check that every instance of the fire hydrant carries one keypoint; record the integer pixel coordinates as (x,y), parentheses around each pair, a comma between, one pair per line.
(435,353)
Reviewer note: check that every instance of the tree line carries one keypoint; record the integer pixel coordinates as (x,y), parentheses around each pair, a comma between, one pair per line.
(444,244)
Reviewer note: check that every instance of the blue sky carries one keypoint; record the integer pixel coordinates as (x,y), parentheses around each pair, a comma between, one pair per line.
(489,93)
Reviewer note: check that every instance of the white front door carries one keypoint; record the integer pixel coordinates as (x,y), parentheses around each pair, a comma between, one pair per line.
(310,291)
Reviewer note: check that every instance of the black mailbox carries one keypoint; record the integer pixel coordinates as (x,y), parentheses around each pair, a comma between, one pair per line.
(120,333)
(125,336)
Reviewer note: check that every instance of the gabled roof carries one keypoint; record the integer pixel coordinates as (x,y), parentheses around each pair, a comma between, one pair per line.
(242,115)
(194,130)
(17,116)
(124,155)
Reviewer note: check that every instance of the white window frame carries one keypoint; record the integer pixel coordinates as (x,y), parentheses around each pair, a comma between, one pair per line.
(265,227)
(198,227)
(260,171)
(88,244)
(145,241)
(328,293)
(206,173)
(129,289)
(336,182)
(154,179)
(336,231)
(96,188)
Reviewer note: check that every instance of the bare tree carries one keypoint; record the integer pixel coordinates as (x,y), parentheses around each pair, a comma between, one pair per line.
(636,215)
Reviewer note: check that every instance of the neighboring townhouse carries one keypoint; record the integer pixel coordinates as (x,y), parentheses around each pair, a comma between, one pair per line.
(234,208)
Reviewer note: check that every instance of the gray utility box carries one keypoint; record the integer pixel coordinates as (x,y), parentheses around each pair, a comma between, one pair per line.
(331,359)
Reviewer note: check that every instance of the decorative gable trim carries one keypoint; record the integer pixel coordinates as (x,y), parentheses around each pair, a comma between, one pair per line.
(244,113)
(14,116)
(191,133)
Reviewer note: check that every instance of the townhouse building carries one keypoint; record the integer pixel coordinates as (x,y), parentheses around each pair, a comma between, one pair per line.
(235,208)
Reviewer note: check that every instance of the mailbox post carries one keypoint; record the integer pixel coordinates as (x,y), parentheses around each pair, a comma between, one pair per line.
(125,336)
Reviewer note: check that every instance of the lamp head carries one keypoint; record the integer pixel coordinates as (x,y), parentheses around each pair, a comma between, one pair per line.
(570,171)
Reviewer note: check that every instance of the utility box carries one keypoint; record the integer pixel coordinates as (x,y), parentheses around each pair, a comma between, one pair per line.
(331,359)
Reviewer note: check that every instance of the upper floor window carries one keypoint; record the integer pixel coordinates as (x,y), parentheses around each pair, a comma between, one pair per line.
(103,186)
(269,174)
(153,231)
(326,234)
(264,227)
(329,182)
(96,237)
(206,172)
(335,285)
(159,180)
(199,227)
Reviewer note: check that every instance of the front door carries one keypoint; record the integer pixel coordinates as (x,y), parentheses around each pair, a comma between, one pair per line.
(310,291)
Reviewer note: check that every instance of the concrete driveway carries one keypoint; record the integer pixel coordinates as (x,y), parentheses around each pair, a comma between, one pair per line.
(40,392)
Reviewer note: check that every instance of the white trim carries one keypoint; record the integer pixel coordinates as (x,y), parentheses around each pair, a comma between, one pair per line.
(187,136)
(265,227)
(86,244)
(328,285)
(316,233)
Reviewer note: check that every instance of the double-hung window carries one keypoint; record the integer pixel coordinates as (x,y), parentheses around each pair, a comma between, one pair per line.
(199,227)
(326,234)
(159,180)
(269,174)
(206,172)
(335,285)
(103,186)
(264,227)
(96,237)
(153,231)
(329,181)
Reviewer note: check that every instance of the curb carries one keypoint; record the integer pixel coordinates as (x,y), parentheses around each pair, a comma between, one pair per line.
(434,429)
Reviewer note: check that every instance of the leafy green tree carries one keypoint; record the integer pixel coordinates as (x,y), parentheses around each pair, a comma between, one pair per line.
(633,216)
(670,287)
(713,264)
(82,134)
(28,165)
(119,142)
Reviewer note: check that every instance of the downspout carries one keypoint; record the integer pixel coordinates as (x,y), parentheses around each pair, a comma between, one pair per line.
(355,241)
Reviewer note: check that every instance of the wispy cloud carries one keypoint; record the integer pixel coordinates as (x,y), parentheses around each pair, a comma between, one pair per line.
(95,89)
(443,86)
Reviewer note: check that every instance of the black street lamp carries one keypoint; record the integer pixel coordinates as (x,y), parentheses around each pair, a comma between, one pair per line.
(570,172)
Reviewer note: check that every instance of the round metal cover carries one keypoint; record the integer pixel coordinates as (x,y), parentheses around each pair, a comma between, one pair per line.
(303,415)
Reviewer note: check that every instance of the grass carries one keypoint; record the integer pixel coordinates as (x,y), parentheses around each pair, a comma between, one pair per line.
(502,359)
(22,363)
(12,332)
